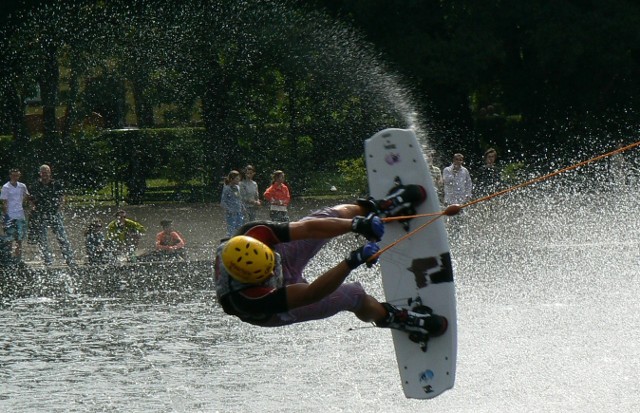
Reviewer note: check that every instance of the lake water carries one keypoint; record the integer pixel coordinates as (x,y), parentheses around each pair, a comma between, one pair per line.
(547,300)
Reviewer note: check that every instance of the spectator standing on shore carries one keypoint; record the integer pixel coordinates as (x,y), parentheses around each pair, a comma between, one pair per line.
(123,235)
(457,182)
(13,196)
(249,194)
(488,178)
(278,197)
(231,202)
(47,199)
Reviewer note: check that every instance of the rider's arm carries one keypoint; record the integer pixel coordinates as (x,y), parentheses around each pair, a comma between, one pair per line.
(299,295)
(308,229)
(319,228)
(304,294)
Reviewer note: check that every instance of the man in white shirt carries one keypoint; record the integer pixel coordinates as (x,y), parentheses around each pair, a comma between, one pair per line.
(13,195)
(457,182)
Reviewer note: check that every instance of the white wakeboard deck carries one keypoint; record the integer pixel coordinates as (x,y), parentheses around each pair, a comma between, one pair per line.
(417,267)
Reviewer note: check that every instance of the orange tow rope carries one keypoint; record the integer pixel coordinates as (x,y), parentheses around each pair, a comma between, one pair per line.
(552,174)
(452,210)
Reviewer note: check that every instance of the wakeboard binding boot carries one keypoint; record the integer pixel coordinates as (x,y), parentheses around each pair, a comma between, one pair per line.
(419,322)
(400,200)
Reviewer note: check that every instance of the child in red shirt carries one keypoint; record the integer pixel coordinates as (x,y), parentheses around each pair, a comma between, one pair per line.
(278,197)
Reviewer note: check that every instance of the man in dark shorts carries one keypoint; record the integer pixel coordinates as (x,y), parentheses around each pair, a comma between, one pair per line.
(259,271)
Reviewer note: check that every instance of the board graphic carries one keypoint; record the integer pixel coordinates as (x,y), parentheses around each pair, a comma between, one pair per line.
(417,271)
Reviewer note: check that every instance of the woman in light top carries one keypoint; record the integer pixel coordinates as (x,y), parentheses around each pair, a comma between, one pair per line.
(231,202)
(249,193)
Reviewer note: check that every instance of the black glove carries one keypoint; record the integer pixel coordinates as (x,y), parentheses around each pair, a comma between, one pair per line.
(370,226)
(361,255)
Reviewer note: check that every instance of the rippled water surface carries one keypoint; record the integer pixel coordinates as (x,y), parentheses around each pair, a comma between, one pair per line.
(547,300)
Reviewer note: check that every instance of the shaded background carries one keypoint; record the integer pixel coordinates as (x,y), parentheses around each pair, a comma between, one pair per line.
(299,85)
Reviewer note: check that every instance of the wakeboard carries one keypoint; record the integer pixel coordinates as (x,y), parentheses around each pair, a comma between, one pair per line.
(417,272)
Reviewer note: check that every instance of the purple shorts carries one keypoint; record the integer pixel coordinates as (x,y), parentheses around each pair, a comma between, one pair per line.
(295,256)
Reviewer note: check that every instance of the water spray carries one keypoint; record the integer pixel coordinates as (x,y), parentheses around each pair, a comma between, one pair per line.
(455,209)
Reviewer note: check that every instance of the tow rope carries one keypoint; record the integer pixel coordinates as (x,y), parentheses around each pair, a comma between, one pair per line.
(452,210)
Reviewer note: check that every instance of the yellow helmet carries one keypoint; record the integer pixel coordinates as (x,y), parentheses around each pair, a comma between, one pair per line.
(248,260)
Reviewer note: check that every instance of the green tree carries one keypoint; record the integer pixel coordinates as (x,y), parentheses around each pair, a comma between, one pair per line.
(275,81)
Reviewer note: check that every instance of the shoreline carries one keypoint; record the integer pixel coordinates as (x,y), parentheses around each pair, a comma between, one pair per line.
(202,225)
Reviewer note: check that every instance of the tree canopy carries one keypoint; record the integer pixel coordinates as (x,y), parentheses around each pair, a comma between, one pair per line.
(300,84)
(270,82)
